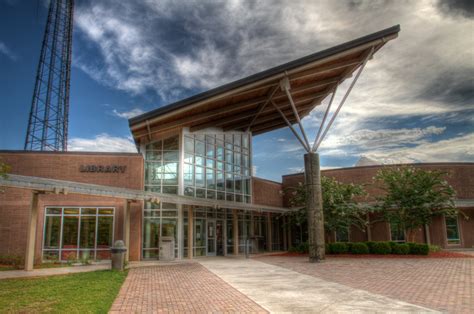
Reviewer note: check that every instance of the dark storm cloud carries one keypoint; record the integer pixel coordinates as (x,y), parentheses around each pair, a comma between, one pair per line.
(457,7)
(451,88)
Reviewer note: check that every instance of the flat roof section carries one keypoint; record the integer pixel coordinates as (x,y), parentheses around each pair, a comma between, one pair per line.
(244,105)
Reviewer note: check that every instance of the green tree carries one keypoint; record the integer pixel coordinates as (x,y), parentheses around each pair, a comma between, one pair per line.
(4,169)
(413,196)
(340,205)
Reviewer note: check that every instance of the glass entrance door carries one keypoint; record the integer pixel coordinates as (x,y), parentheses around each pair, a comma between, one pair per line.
(211,237)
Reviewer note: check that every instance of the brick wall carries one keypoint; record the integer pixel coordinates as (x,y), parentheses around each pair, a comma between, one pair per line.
(459,175)
(266,192)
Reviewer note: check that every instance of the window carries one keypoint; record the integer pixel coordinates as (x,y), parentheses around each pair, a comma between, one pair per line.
(397,234)
(72,233)
(452,230)
(159,220)
(161,165)
(216,166)
(342,235)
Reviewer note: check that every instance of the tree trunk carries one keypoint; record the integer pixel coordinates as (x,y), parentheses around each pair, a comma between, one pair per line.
(314,207)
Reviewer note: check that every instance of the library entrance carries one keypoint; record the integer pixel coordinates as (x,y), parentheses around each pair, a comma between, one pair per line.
(215,240)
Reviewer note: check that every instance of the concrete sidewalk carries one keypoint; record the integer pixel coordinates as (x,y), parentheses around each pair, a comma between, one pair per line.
(10,274)
(281,290)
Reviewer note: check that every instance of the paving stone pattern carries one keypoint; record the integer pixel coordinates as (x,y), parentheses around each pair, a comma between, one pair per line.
(188,288)
(445,284)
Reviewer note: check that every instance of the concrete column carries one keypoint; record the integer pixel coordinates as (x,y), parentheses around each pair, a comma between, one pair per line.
(235,231)
(269,233)
(314,205)
(31,232)
(126,228)
(190,232)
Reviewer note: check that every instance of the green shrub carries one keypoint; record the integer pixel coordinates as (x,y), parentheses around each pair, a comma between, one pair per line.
(393,244)
(419,248)
(338,248)
(300,248)
(401,249)
(349,246)
(370,245)
(359,248)
(381,248)
(434,248)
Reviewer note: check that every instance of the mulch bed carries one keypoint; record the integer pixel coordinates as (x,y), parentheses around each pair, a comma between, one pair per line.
(441,254)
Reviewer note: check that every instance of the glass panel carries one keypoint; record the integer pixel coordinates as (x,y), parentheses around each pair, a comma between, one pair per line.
(188,173)
(210,179)
(229,197)
(211,194)
(170,167)
(220,137)
(153,173)
(220,151)
(189,191)
(154,146)
(210,150)
(70,232)
(238,198)
(210,163)
(245,141)
(151,237)
(170,189)
(153,155)
(53,211)
(156,189)
(238,184)
(189,158)
(220,181)
(152,205)
(221,196)
(237,160)
(71,211)
(199,161)
(247,186)
(210,139)
(220,166)
(89,211)
(105,232)
(237,139)
(397,234)
(229,168)
(151,213)
(87,232)
(106,211)
(50,255)
(228,138)
(170,206)
(229,182)
(171,156)
(188,145)
(201,193)
(229,156)
(169,213)
(199,232)
(52,232)
(199,176)
(170,178)
(199,137)
(169,227)
(200,148)
(171,143)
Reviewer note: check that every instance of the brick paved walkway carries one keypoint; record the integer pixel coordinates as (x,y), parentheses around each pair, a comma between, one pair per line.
(179,288)
(445,284)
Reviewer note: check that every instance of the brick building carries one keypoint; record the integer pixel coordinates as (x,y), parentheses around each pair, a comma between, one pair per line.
(189,189)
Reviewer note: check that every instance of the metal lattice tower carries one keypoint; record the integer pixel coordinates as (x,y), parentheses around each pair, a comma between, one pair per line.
(48,121)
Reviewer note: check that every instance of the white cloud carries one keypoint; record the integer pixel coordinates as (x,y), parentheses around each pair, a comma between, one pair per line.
(7,51)
(128,114)
(102,143)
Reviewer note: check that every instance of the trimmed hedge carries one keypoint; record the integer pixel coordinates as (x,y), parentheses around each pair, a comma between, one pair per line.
(338,247)
(359,248)
(419,248)
(401,249)
(382,248)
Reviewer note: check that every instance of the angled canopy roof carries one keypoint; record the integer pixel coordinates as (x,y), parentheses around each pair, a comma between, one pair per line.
(234,106)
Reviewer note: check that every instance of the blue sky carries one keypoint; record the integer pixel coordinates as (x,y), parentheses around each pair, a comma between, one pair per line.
(413,102)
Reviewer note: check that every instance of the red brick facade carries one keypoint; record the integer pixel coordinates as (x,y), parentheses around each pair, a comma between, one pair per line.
(266,192)
(15,203)
(459,175)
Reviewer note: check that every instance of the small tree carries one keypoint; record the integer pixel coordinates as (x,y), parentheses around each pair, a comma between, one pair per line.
(413,197)
(340,207)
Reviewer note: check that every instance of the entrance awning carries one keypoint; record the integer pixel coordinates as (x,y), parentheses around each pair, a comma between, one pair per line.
(69,187)
(257,103)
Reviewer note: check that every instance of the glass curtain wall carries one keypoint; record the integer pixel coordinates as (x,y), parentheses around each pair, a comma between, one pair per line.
(159,220)
(217,166)
(72,233)
(162,165)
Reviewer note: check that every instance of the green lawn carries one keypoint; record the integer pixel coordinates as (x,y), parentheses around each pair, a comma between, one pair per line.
(92,292)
